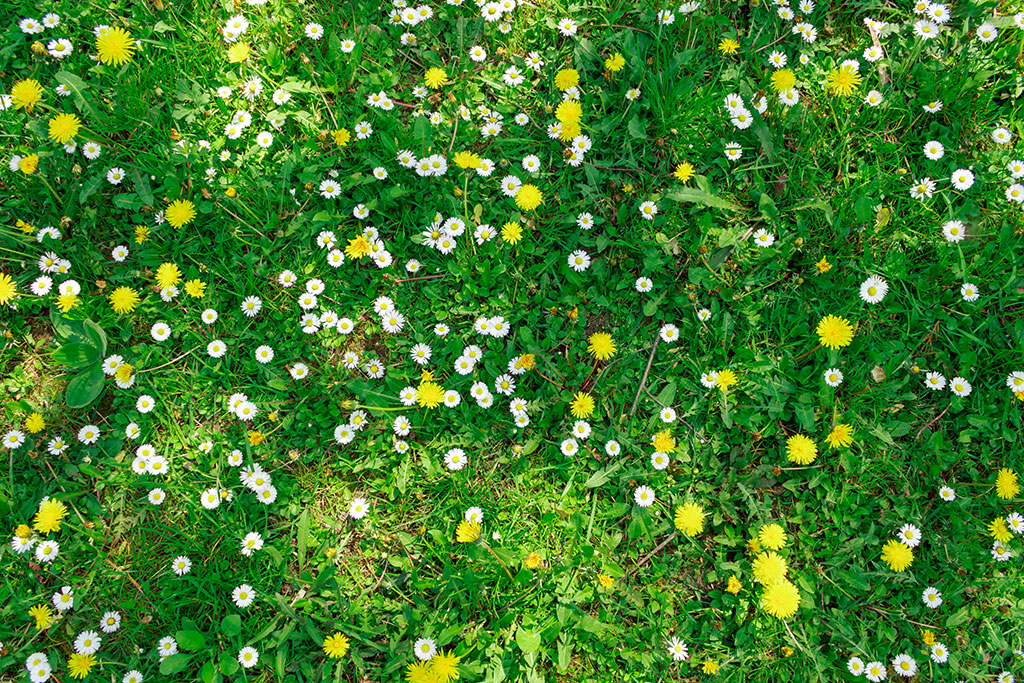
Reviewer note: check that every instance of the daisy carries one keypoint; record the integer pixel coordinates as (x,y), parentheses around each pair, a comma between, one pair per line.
(910,535)
(644,496)
(934,381)
(873,289)
(969,292)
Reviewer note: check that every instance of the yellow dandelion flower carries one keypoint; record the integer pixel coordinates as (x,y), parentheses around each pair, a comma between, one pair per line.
(341,137)
(728,46)
(444,667)
(834,332)
(29,164)
(783,80)
(239,52)
(569,111)
(42,615)
(840,436)
(63,127)
(419,672)
(770,568)
(664,442)
(335,645)
(65,302)
(582,405)
(435,78)
(35,423)
(167,275)
(801,449)
(529,197)
(8,289)
(1006,484)
(180,213)
(897,555)
(734,586)
(781,600)
(25,93)
(606,581)
(566,78)
(195,289)
(124,372)
(49,516)
(684,172)
(689,519)
(601,346)
(843,81)
(357,247)
(533,561)
(710,666)
(115,46)
(124,300)
(725,379)
(429,395)
(511,233)
(467,532)
(467,159)
(823,265)
(79,666)
(141,234)
(615,62)
(772,536)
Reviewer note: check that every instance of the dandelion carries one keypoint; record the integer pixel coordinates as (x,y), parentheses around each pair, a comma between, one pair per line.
(80,665)
(444,667)
(834,332)
(725,379)
(772,536)
(49,516)
(684,172)
(115,46)
(467,532)
(336,645)
(601,346)
(26,93)
(840,436)
(582,405)
(8,289)
(435,78)
(781,600)
(124,300)
(567,78)
(42,615)
(1006,484)
(180,212)
(689,519)
(897,555)
(728,46)
(63,127)
(529,197)
(801,449)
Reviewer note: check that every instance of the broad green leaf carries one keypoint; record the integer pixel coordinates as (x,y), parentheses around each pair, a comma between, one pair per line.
(175,663)
(689,194)
(76,355)
(528,641)
(85,387)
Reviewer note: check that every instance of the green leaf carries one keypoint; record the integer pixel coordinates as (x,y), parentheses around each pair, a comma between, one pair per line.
(601,477)
(190,640)
(302,536)
(76,355)
(174,664)
(231,625)
(207,672)
(89,187)
(96,335)
(690,194)
(227,664)
(528,641)
(85,387)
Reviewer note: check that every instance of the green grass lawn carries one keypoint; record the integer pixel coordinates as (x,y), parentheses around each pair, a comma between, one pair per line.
(512,341)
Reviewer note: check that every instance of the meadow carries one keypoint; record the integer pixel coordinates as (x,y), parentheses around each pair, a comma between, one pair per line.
(511,341)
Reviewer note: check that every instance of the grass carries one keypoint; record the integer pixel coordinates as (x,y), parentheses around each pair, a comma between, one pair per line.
(569,580)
